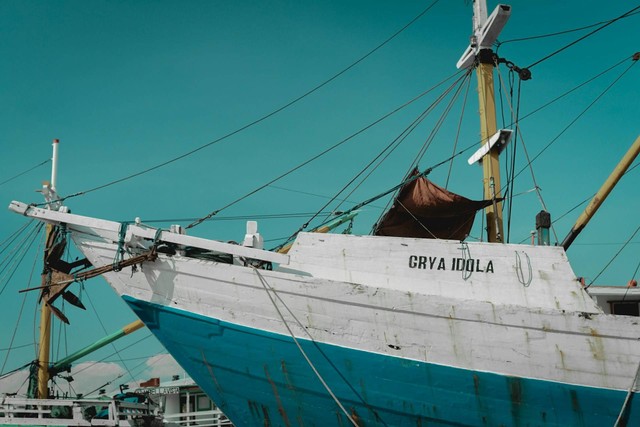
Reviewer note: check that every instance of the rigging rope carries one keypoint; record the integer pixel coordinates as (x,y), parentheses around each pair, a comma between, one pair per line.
(115,353)
(267,287)
(381,195)
(557,137)
(416,219)
(120,375)
(526,153)
(261,119)
(438,125)
(602,73)
(615,256)
(559,33)
(511,149)
(13,335)
(630,285)
(106,333)
(393,145)
(317,156)
(624,15)
(627,399)
(17,324)
(577,205)
(577,117)
(134,368)
(5,244)
(17,254)
(455,142)
(24,172)
(243,217)
(322,196)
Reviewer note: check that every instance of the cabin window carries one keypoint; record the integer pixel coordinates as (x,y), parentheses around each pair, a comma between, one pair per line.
(625,308)
(204,403)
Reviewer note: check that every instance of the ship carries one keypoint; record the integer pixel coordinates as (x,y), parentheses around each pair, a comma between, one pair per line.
(412,325)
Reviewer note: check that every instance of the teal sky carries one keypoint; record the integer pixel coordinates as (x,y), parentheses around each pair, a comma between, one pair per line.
(127,86)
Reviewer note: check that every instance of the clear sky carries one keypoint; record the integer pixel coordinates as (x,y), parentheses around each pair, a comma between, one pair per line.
(127,86)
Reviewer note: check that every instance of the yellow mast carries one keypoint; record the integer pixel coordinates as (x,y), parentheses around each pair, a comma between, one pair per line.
(45,338)
(45,310)
(602,194)
(490,162)
(480,55)
(53,283)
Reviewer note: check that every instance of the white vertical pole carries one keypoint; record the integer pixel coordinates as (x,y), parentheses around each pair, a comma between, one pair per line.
(480,15)
(54,164)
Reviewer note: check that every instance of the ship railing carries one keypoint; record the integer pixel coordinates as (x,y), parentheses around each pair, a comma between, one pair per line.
(72,412)
(212,418)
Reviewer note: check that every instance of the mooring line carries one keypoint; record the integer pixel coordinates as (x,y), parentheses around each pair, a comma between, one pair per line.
(267,287)
(628,398)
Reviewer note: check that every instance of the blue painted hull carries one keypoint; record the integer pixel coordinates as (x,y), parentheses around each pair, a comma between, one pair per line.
(261,379)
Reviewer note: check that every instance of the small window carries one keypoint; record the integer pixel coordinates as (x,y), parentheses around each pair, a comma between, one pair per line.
(204,403)
(625,308)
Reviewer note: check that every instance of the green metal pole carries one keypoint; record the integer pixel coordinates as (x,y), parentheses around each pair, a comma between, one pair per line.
(63,364)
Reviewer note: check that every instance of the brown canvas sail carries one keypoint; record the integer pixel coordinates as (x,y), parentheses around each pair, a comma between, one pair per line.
(425,210)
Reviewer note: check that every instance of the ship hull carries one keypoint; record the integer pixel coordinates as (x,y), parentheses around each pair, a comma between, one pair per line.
(401,331)
(393,353)
(262,378)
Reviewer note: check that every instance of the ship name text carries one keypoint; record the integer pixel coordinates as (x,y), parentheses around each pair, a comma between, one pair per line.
(454,264)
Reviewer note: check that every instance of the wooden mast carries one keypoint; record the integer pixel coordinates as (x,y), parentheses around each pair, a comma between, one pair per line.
(602,194)
(43,352)
(480,55)
(490,162)
(45,310)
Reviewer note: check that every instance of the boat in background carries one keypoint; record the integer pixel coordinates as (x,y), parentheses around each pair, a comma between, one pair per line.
(123,409)
(379,330)
(119,411)
(183,403)
(42,406)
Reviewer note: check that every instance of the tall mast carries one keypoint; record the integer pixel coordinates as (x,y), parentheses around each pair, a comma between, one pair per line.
(480,54)
(45,310)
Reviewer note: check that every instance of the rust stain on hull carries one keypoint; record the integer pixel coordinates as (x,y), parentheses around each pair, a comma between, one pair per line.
(281,410)
(575,406)
(287,380)
(515,394)
(210,369)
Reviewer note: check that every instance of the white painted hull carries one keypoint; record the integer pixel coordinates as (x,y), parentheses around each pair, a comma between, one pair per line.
(516,311)
(577,347)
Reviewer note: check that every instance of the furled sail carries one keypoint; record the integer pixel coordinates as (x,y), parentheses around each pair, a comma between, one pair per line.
(425,210)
